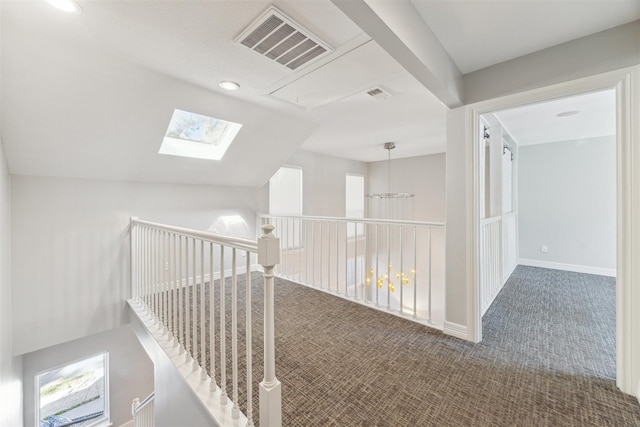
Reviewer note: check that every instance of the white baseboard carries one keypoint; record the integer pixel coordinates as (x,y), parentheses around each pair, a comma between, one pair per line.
(455,330)
(128,424)
(611,272)
(638,393)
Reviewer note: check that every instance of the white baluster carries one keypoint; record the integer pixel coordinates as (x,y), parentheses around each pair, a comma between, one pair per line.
(180,296)
(300,250)
(234,333)
(346,259)
(430,269)
(212,324)
(377,265)
(365,263)
(248,324)
(194,312)
(133,231)
(187,301)
(223,335)
(176,289)
(321,234)
(203,355)
(156,279)
(388,266)
(414,274)
(165,280)
(328,287)
(337,259)
(400,284)
(354,273)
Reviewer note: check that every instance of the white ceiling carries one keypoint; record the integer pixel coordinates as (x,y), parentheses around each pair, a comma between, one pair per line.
(481,33)
(90,95)
(539,123)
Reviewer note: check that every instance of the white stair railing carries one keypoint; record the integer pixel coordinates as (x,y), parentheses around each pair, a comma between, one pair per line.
(143,412)
(498,255)
(491,280)
(395,266)
(176,274)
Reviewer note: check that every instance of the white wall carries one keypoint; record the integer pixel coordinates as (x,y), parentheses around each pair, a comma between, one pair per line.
(10,366)
(323,181)
(568,203)
(71,247)
(130,369)
(423,175)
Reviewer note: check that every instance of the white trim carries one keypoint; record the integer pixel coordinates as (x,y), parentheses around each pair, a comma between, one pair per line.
(626,81)
(611,272)
(455,330)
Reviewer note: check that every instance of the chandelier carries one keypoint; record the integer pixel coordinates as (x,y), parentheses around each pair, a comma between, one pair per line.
(390,205)
(394,206)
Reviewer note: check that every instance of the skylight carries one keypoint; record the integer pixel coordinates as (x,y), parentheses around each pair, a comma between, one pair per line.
(198,136)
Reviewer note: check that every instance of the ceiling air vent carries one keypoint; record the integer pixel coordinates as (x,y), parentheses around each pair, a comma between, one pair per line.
(378,93)
(279,38)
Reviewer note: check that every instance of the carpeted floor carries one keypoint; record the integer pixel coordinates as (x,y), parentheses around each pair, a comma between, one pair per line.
(547,359)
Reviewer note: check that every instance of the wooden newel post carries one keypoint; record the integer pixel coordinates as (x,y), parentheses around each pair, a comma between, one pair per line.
(270,393)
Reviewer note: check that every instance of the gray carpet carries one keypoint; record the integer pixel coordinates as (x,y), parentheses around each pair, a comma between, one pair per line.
(547,359)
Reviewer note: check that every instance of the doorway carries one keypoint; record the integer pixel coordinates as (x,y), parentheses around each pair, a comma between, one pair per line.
(627,221)
(550,208)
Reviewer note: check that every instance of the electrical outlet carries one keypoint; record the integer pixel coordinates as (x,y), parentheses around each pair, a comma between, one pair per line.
(544,249)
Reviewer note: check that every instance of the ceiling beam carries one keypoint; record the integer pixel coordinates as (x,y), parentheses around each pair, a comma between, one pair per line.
(398,28)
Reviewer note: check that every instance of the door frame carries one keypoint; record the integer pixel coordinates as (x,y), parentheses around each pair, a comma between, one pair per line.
(626,83)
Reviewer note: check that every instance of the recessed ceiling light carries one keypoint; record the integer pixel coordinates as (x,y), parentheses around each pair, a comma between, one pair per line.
(568,113)
(68,6)
(229,85)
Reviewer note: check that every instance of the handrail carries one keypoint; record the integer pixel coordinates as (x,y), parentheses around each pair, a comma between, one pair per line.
(360,220)
(233,242)
(139,406)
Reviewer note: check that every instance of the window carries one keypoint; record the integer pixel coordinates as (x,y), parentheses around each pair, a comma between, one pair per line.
(285,192)
(198,136)
(75,394)
(285,198)
(354,202)
(354,196)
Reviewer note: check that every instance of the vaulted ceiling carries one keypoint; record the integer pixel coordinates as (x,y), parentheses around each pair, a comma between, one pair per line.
(90,95)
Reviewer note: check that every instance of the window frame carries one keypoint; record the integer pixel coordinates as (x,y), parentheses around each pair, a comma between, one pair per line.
(105,420)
